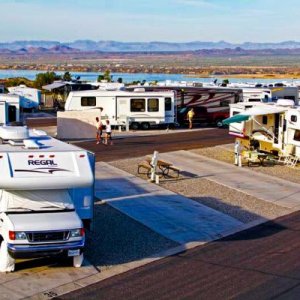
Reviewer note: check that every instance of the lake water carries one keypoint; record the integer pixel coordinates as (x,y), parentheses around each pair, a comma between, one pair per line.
(127,77)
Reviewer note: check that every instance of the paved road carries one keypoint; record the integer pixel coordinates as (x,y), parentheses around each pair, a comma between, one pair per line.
(259,263)
(139,146)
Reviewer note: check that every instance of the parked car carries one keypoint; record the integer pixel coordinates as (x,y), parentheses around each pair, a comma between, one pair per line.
(202,116)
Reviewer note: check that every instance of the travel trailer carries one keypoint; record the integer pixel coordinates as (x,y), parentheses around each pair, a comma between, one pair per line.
(270,94)
(269,127)
(46,196)
(214,101)
(9,108)
(30,98)
(141,109)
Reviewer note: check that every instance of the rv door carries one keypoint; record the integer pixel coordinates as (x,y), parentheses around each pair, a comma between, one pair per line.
(12,113)
(169,110)
(279,130)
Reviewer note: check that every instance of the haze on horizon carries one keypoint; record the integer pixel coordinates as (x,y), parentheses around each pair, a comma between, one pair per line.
(235,21)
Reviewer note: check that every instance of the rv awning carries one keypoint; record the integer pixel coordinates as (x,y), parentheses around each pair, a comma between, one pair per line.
(253,111)
(53,86)
(236,118)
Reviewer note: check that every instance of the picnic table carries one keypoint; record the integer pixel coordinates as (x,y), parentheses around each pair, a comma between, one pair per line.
(255,157)
(163,166)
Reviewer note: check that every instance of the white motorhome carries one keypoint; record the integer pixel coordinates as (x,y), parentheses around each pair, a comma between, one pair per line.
(9,108)
(272,126)
(142,109)
(46,196)
(30,97)
(270,94)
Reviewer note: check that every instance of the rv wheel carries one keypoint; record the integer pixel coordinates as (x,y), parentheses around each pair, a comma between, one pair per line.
(135,125)
(7,263)
(77,261)
(219,123)
(145,126)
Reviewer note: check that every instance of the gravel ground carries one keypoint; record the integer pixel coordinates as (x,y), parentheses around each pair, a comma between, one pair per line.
(117,239)
(232,202)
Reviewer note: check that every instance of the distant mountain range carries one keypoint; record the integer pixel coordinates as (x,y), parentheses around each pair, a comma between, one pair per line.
(114,46)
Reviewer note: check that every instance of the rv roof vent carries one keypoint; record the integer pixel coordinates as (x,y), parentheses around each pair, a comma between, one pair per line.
(139,90)
(38,132)
(15,133)
(31,144)
(285,102)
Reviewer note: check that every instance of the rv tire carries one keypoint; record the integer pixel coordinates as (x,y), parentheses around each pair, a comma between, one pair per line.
(7,262)
(135,125)
(219,123)
(145,126)
(78,260)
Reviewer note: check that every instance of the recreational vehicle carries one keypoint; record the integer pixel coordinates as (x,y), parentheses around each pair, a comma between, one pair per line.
(141,109)
(9,108)
(270,94)
(30,98)
(269,127)
(213,101)
(46,196)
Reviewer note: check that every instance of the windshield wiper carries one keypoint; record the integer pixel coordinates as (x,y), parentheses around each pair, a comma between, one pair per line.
(23,208)
(56,207)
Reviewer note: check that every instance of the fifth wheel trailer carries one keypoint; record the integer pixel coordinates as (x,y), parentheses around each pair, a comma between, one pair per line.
(212,101)
(141,109)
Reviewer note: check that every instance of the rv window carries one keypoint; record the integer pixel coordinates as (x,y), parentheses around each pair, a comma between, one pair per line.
(153,105)
(237,98)
(168,104)
(254,100)
(293,118)
(88,101)
(265,120)
(297,135)
(289,97)
(224,103)
(137,105)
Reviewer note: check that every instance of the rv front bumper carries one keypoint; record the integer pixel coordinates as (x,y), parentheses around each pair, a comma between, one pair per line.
(27,251)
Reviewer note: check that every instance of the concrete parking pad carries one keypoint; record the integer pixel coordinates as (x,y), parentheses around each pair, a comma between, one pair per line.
(261,186)
(171,215)
(26,282)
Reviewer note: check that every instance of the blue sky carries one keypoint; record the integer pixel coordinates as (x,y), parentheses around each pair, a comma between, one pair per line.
(150,20)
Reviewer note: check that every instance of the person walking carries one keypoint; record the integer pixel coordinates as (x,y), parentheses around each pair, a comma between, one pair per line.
(190,116)
(99,128)
(108,133)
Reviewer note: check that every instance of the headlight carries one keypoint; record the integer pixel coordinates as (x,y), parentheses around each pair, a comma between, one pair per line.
(17,235)
(77,232)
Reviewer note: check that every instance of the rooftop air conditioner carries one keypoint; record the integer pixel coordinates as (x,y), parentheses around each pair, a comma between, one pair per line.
(14,133)
(285,102)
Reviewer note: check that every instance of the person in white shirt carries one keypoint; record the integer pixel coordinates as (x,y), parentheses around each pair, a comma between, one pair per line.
(99,128)
(108,133)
